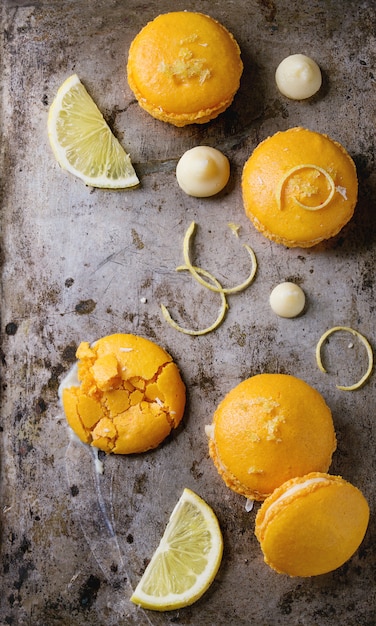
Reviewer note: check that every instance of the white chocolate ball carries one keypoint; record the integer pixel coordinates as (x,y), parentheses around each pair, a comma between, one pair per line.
(287,300)
(298,77)
(202,171)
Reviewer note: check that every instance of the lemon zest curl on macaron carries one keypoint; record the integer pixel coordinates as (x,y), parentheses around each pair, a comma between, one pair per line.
(292,171)
(367,345)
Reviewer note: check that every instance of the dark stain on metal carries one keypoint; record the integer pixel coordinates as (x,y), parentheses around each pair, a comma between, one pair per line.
(140,484)
(11,328)
(40,406)
(84,307)
(238,334)
(89,591)
(56,372)
(195,471)
(268,8)
(69,353)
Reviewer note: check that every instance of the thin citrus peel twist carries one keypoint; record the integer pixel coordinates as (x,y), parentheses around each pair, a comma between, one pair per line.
(214,285)
(222,311)
(367,345)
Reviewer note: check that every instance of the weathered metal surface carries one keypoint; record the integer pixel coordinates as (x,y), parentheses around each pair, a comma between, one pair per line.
(77,264)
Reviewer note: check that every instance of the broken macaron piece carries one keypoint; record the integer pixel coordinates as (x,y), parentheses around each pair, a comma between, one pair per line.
(127,397)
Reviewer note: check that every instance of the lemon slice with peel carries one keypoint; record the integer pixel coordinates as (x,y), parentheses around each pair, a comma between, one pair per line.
(187,559)
(82,141)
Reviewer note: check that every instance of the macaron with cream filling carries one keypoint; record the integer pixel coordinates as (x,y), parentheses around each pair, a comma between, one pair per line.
(311,525)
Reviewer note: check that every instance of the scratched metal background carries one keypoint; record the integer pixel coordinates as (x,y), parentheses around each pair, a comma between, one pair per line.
(77,264)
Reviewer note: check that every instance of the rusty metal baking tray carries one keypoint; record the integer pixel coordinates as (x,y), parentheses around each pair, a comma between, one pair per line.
(79,263)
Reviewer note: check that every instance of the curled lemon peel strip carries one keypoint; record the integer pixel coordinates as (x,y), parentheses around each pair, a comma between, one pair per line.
(222,311)
(304,206)
(215,287)
(367,345)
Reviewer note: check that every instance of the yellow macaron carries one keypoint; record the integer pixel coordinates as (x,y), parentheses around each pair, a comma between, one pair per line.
(311,525)
(125,396)
(268,429)
(299,187)
(184,68)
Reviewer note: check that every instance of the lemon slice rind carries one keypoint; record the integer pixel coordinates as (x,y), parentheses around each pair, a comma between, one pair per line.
(222,310)
(204,283)
(82,141)
(187,559)
(367,345)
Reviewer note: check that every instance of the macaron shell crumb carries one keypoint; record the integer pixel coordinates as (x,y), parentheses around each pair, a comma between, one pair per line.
(316,529)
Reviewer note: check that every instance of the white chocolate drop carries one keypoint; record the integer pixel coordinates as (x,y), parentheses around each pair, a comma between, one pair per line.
(298,77)
(202,171)
(287,300)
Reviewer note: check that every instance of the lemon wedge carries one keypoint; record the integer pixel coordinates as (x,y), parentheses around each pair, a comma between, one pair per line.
(187,559)
(82,141)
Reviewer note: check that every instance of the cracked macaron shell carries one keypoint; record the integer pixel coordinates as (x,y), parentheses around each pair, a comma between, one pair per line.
(269,429)
(130,395)
(311,524)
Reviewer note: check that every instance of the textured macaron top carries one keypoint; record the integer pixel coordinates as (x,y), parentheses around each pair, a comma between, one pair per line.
(268,429)
(184,67)
(312,524)
(128,394)
(299,187)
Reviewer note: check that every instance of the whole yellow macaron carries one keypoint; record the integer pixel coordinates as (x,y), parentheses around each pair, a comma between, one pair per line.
(311,525)
(299,187)
(268,429)
(125,394)
(184,68)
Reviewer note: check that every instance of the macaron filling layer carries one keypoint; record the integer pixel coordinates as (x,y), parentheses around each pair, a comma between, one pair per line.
(292,491)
